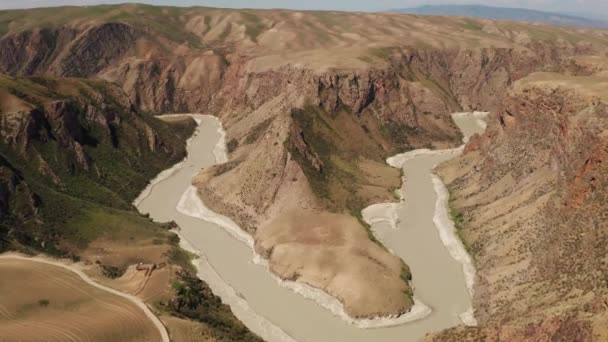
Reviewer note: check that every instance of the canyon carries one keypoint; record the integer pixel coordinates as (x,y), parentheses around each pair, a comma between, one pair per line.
(74,154)
(260,299)
(314,102)
(530,194)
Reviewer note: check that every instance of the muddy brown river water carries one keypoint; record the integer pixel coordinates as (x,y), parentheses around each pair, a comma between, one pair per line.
(276,310)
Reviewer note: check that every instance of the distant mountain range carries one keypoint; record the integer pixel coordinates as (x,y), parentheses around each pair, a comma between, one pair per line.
(505,13)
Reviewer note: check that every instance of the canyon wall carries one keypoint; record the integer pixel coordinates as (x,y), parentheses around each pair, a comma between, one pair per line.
(68,146)
(530,200)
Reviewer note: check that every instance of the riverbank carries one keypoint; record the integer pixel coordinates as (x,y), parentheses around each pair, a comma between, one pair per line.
(255,295)
(469,123)
(191,205)
(205,271)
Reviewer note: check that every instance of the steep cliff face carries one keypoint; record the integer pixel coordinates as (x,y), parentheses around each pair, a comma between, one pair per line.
(17,201)
(90,49)
(74,153)
(181,59)
(410,94)
(532,194)
(68,145)
(155,76)
(477,79)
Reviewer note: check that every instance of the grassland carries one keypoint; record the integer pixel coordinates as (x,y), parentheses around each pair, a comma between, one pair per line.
(458,218)
(343,181)
(595,85)
(354,175)
(157,21)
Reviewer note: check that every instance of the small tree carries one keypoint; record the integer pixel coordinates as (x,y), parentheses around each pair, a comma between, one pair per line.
(232,145)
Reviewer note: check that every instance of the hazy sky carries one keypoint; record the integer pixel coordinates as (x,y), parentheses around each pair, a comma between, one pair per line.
(596,7)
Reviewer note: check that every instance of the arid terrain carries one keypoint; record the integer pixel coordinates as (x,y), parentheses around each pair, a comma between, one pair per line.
(46,302)
(531,196)
(313,103)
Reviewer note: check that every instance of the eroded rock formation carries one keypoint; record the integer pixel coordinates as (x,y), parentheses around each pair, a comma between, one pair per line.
(68,146)
(531,191)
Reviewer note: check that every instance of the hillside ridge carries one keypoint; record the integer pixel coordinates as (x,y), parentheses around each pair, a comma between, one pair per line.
(507,13)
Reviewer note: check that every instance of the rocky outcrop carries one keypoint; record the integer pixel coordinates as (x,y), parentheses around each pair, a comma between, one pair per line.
(17,201)
(112,41)
(567,328)
(161,74)
(477,79)
(45,51)
(298,140)
(68,145)
(531,193)
(74,124)
(33,51)
(154,78)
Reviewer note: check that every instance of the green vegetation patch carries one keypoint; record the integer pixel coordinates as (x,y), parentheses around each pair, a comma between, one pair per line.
(194,300)
(44,302)
(4,27)
(459,224)
(329,19)
(232,145)
(156,21)
(253,25)
(258,131)
(472,25)
(382,53)
(337,178)
(183,258)
(406,276)
(340,180)
(399,134)
(113,272)
(67,197)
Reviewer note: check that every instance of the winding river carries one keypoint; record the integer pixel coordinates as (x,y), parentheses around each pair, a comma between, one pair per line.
(417,230)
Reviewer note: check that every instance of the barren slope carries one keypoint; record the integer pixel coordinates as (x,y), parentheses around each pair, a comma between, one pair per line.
(530,194)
